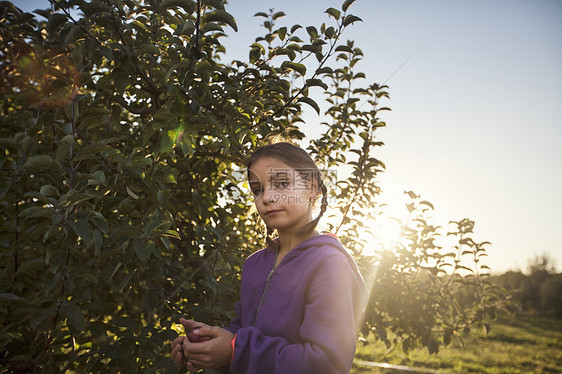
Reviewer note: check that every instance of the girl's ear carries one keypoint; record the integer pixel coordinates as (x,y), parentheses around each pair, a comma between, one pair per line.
(315,194)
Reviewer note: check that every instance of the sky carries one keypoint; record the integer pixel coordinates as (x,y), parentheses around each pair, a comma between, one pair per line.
(476,120)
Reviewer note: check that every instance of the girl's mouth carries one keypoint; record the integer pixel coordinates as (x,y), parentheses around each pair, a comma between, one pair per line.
(272,212)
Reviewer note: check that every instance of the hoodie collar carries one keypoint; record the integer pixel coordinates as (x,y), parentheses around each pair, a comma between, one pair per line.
(316,241)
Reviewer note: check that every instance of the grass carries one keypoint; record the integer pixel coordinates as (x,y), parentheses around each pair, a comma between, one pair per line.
(521,344)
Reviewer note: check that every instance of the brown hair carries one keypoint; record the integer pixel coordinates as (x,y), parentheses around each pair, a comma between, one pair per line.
(298,159)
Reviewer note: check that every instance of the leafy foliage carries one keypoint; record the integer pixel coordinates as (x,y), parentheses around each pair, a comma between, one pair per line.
(433,291)
(123,202)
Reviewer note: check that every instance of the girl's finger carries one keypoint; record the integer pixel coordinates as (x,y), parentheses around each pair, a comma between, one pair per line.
(180,360)
(179,340)
(191,367)
(205,330)
(196,349)
(190,324)
(177,349)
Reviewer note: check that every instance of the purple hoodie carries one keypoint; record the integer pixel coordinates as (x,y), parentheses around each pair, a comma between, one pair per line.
(301,317)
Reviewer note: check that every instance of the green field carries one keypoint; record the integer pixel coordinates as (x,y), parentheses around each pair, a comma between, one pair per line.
(521,344)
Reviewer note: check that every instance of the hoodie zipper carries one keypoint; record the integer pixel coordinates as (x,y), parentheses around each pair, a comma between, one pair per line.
(269,275)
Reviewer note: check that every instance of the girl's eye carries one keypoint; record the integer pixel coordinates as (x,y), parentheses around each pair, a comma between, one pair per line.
(282,185)
(256,191)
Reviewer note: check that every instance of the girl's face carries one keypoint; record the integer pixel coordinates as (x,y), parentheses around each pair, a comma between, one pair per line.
(283,196)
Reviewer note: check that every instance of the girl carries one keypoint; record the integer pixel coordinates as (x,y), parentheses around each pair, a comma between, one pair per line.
(301,298)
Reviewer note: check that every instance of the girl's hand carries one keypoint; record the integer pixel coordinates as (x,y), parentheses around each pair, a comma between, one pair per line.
(211,354)
(190,326)
(177,349)
(177,352)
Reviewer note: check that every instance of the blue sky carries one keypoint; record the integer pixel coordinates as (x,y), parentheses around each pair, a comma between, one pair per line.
(476,121)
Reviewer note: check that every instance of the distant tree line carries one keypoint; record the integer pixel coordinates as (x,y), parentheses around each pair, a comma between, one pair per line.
(537,290)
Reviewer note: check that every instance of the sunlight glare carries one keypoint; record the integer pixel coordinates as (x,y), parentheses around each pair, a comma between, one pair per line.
(385,232)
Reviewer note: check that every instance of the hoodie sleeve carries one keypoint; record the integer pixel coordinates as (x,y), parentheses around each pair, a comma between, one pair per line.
(334,302)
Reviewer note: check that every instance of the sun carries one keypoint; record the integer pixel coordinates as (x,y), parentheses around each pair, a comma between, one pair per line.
(380,227)
(381,232)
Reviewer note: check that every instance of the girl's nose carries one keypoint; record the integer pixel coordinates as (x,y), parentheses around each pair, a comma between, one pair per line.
(268,196)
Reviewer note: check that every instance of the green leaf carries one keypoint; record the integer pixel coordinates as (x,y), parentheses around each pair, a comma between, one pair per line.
(412,194)
(309,101)
(142,249)
(126,322)
(9,296)
(295,28)
(49,191)
(63,149)
(74,315)
(350,19)
(28,265)
(89,277)
(344,48)
(99,177)
(278,15)
(171,233)
(187,5)
(221,16)
(204,69)
(107,53)
(292,54)
(464,268)
(330,32)
(324,70)
(423,202)
(316,82)
(121,81)
(38,212)
(346,4)
(312,32)
(110,269)
(46,313)
(83,229)
(282,32)
(163,196)
(255,53)
(55,21)
(98,242)
(71,37)
(76,199)
(94,7)
(91,150)
(166,143)
(188,28)
(131,193)
(334,13)
(42,162)
(166,242)
(217,4)
(101,224)
(299,68)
